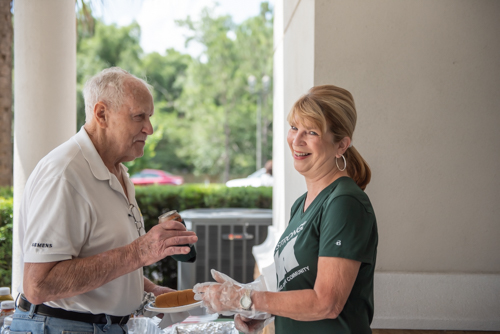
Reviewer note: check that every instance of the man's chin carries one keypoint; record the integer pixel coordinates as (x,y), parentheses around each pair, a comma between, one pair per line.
(136,156)
(139,154)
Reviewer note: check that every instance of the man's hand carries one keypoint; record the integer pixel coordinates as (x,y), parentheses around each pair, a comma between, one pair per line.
(163,240)
(156,289)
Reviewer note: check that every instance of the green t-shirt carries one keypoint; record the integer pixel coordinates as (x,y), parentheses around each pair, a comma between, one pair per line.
(340,222)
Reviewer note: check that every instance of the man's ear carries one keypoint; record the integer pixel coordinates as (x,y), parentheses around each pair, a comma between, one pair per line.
(101,112)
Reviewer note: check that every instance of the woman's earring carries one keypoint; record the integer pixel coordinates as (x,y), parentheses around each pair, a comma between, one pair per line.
(345,163)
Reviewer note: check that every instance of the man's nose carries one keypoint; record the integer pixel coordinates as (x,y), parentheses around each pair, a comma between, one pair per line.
(148,127)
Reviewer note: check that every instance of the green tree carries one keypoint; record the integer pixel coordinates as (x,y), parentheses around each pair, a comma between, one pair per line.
(205,114)
(5,236)
(166,74)
(109,45)
(219,108)
(255,37)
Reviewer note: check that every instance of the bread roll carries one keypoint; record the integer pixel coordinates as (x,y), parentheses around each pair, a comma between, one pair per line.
(176,298)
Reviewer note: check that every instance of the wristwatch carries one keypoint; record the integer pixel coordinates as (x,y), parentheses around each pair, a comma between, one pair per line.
(246,300)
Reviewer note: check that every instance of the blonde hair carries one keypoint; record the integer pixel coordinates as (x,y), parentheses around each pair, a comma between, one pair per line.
(332,108)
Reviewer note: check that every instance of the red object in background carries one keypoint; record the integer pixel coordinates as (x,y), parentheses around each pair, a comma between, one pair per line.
(155,176)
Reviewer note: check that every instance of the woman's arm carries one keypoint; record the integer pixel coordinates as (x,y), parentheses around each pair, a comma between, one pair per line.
(336,277)
(334,282)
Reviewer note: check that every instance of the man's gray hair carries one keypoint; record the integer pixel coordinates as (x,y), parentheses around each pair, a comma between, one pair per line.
(107,86)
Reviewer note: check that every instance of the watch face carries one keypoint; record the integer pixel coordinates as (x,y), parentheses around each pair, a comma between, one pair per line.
(246,302)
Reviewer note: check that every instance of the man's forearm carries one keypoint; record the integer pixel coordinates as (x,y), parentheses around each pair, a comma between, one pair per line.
(55,280)
(73,277)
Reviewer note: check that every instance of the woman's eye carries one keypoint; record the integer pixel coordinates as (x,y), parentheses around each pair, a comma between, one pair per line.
(293,127)
(313,133)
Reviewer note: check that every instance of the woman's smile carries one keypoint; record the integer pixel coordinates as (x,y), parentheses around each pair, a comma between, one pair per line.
(300,155)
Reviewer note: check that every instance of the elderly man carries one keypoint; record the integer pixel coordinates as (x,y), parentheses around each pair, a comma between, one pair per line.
(82,236)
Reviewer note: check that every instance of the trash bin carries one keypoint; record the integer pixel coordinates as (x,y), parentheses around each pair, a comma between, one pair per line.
(225,241)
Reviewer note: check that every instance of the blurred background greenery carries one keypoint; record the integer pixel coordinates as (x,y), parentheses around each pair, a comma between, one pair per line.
(213,112)
(5,235)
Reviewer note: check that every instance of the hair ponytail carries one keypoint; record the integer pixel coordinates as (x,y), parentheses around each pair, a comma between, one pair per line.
(357,168)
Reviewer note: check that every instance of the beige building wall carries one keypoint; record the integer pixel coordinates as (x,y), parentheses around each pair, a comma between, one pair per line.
(426,79)
(425,76)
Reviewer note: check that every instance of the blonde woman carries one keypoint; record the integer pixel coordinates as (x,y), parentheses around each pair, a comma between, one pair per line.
(325,259)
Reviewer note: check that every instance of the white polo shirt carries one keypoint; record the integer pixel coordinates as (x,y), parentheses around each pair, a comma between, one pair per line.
(73,207)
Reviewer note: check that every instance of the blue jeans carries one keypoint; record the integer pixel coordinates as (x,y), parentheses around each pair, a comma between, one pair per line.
(31,323)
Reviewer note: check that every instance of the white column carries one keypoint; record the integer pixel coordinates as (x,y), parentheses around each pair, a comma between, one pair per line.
(44,91)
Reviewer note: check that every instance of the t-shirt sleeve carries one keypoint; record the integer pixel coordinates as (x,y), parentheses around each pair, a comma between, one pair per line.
(347,230)
(57,222)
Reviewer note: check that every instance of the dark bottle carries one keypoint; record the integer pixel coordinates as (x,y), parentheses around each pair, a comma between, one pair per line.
(174,215)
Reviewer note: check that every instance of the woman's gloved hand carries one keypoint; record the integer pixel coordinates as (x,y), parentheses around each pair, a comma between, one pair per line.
(248,326)
(222,297)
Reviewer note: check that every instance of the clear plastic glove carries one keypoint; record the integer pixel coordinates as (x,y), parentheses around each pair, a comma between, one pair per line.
(250,326)
(224,296)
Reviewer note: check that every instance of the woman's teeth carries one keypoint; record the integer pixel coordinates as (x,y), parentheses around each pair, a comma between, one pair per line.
(301,154)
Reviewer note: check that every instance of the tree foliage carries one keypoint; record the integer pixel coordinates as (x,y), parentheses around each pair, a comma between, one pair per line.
(205,114)
(6,206)
(218,104)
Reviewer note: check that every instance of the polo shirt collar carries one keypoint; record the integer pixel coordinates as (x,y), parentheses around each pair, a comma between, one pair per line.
(93,158)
